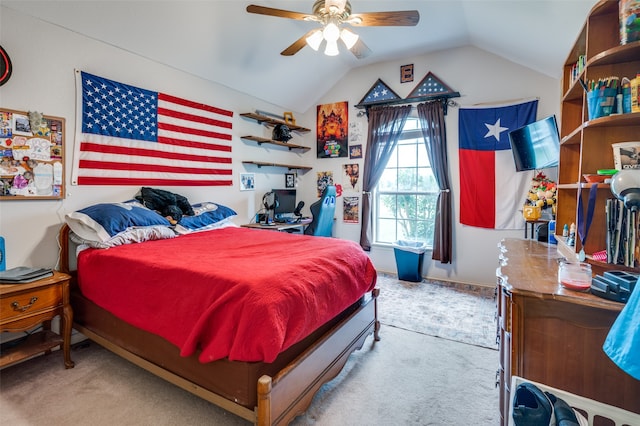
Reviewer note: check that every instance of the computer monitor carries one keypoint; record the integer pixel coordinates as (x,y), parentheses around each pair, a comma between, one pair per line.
(286,202)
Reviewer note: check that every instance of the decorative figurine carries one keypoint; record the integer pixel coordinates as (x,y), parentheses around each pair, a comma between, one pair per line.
(572,235)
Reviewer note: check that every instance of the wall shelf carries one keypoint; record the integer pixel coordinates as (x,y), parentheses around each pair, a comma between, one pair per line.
(287,166)
(272,121)
(260,141)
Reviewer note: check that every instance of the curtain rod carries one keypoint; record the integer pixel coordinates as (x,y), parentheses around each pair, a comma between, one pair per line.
(448,102)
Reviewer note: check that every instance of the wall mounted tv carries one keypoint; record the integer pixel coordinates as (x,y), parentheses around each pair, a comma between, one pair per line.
(536,145)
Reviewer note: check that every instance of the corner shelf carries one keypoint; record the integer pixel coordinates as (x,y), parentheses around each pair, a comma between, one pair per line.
(260,141)
(287,166)
(272,121)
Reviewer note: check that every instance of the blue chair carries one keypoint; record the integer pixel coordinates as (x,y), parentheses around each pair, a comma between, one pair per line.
(322,212)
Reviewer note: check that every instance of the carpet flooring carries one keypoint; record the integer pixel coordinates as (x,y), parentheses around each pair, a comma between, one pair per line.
(460,312)
(410,377)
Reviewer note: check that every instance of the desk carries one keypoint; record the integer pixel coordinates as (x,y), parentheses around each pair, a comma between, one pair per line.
(281,227)
(533,224)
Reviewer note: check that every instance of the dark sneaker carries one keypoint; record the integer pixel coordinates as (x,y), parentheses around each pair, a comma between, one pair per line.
(564,414)
(532,407)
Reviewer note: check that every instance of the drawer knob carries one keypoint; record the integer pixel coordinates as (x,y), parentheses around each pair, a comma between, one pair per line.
(16,306)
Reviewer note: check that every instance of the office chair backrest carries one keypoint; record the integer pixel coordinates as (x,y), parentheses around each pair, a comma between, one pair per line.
(323,211)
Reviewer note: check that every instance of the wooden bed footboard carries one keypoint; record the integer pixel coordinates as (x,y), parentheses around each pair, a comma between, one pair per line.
(279,397)
(289,393)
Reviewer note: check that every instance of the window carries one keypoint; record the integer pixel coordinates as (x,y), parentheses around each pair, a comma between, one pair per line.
(405,198)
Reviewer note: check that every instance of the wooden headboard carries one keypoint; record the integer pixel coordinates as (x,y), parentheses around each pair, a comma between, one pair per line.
(67,254)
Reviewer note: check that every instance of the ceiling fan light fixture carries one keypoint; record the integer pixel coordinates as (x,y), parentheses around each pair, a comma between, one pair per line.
(349,37)
(331,32)
(315,39)
(332,48)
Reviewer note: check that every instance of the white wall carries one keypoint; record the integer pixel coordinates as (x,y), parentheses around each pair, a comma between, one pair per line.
(479,77)
(44,58)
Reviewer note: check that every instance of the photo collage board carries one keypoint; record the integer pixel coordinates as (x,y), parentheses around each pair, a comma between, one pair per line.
(31,155)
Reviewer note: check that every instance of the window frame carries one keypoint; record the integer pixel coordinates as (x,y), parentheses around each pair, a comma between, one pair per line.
(411,134)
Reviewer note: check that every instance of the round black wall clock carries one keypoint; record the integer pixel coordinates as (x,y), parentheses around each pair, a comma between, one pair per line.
(5,66)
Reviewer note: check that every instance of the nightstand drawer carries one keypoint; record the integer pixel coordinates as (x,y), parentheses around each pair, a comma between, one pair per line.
(29,302)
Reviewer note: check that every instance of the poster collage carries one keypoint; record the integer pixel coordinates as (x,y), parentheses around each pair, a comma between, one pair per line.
(336,138)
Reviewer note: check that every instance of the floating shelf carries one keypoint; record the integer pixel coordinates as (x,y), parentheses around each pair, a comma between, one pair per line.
(287,166)
(272,121)
(260,141)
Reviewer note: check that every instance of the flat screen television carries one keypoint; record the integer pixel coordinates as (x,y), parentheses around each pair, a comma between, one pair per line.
(536,145)
(286,201)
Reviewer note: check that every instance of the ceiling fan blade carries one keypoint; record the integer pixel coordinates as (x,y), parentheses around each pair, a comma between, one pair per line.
(401,18)
(297,45)
(360,50)
(280,13)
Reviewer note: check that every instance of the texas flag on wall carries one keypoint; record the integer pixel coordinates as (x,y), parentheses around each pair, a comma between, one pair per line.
(491,190)
(131,136)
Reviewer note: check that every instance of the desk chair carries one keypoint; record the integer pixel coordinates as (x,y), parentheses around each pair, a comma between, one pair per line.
(322,212)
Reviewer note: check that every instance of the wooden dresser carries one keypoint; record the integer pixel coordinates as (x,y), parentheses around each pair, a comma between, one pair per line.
(552,335)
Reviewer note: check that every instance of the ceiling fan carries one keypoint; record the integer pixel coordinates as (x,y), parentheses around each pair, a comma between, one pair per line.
(334,15)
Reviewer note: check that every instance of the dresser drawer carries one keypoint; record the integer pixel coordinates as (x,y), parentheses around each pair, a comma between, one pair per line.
(29,302)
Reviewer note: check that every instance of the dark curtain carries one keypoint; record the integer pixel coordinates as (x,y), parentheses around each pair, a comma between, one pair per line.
(385,127)
(431,117)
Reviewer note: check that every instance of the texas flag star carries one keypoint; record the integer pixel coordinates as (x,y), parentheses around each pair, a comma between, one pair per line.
(495,130)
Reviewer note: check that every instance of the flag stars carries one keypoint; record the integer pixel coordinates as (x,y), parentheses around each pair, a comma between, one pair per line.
(495,130)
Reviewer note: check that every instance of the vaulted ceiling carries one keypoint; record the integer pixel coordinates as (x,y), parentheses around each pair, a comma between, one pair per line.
(219,41)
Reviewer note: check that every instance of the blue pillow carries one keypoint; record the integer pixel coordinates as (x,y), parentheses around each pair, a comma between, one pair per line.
(101,222)
(207,214)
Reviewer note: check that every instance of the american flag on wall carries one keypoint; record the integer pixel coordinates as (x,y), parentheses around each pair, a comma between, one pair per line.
(131,136)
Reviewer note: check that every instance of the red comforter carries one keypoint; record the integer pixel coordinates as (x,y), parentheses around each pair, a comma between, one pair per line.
(235,292)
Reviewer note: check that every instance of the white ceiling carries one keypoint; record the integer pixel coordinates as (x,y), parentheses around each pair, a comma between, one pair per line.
(219,41)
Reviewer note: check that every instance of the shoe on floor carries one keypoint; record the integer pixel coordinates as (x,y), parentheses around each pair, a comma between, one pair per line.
(532,407)
(564,414)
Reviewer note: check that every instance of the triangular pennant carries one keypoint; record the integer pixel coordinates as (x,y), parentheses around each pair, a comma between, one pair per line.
(379,93)
(431,86)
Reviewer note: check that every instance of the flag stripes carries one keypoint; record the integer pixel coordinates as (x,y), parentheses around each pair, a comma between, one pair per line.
(491,190)
(132,136)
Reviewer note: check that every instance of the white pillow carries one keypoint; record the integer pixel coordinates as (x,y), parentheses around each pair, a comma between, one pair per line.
(131,235)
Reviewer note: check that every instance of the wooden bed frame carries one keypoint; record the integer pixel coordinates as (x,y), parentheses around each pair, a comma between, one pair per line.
(263,393)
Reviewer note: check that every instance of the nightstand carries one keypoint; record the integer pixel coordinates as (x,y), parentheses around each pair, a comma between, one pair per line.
(24,306)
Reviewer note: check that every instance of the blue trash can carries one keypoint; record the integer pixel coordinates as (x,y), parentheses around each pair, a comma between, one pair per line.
(409,257)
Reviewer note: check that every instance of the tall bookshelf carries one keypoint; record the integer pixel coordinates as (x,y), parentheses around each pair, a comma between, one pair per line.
(586,145)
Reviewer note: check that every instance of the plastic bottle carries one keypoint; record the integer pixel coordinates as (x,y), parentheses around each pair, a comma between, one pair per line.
(552,232)
(3,255)
(565,230)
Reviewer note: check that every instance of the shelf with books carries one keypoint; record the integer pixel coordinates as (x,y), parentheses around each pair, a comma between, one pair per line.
(587,145)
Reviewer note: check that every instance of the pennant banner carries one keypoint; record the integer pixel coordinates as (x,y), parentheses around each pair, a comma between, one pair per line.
(491,190)
(131,136)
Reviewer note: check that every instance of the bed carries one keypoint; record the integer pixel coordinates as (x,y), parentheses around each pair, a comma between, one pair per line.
(228,357)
